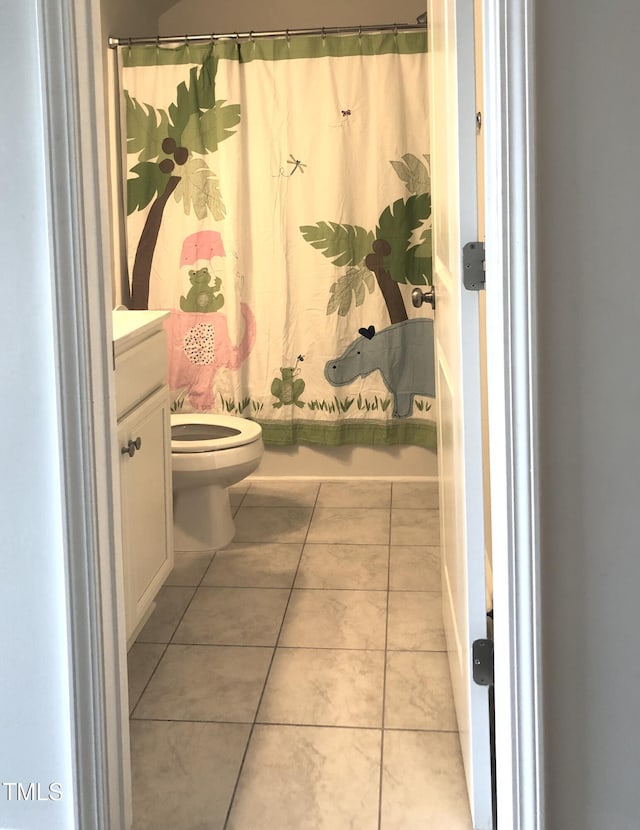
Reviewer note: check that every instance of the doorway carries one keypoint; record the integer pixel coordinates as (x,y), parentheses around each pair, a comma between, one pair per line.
(501,381)
(395,513)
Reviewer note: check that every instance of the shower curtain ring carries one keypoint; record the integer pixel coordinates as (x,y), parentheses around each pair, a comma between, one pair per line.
(288,39)
(324,34)
(186,40)
(395,30)
(251,37)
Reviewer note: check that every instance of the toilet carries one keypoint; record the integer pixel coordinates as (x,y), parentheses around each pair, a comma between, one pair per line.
(208,454)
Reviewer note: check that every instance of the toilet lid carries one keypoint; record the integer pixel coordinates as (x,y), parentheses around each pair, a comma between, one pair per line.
(208,433)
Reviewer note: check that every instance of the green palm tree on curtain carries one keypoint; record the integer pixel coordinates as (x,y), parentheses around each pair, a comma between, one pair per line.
(389,255)
(171,144)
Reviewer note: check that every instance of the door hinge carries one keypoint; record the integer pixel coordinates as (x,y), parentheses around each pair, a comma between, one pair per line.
(473,275)
(482,656)
(113,354)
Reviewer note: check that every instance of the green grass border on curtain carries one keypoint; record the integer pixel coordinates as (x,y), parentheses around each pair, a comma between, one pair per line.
(369,434)
(277,48)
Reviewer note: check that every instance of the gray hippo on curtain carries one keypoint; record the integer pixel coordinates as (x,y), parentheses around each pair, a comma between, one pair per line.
(403,353)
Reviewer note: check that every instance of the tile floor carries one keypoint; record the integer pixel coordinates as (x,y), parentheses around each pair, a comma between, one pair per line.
(298,678)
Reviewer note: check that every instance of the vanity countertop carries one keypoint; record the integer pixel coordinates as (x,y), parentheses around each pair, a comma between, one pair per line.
(130,327)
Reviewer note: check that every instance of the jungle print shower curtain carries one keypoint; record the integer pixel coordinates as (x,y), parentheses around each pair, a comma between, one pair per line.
(278,205)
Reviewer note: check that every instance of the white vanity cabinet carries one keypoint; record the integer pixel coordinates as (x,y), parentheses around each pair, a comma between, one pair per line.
(144,439)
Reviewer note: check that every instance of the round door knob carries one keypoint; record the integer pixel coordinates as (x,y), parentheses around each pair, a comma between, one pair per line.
(418,297)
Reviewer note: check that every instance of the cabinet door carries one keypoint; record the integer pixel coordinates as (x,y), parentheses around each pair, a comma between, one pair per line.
(147,514)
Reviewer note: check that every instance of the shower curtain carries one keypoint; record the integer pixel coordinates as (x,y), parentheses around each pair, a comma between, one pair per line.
(278,205)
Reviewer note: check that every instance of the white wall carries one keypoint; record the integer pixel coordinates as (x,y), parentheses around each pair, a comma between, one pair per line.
(349,461)
(35,731)
(588,116)
(200,16)
(123,18)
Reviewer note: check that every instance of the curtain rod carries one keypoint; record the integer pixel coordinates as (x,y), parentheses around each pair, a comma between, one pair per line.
(114,42)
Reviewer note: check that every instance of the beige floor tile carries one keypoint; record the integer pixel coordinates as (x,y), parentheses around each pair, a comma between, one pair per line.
(184,773)
(420,494)
(276,493)
(324,687)
(350,525)
(415,527)
(141,661)
(188,568)
(233,616)
(214,683)
(308,778)
(314,759)
(415,621)
(344,566)
(335,619)
(414,568)
(171,603)
(255,565)
(418,692)
(235,501)
(423,783)
(237,492)
(355,494)
(272,524)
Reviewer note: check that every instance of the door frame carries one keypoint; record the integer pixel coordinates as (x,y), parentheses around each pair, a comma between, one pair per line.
(73,87)
(510,209)
(74,126)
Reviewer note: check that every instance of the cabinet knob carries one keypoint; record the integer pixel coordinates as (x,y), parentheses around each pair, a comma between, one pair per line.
(131,447)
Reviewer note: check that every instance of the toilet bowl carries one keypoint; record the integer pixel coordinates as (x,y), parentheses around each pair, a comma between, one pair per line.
(209,453)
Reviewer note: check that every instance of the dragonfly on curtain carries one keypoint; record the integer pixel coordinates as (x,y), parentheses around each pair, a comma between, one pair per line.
(297,165)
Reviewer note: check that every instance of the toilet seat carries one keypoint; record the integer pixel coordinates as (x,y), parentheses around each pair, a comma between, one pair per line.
(195,433)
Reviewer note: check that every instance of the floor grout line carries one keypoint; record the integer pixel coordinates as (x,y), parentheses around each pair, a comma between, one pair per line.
(168,643)
(302,725)
(266,679)
(384,675)
(301,648)
(311,588)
